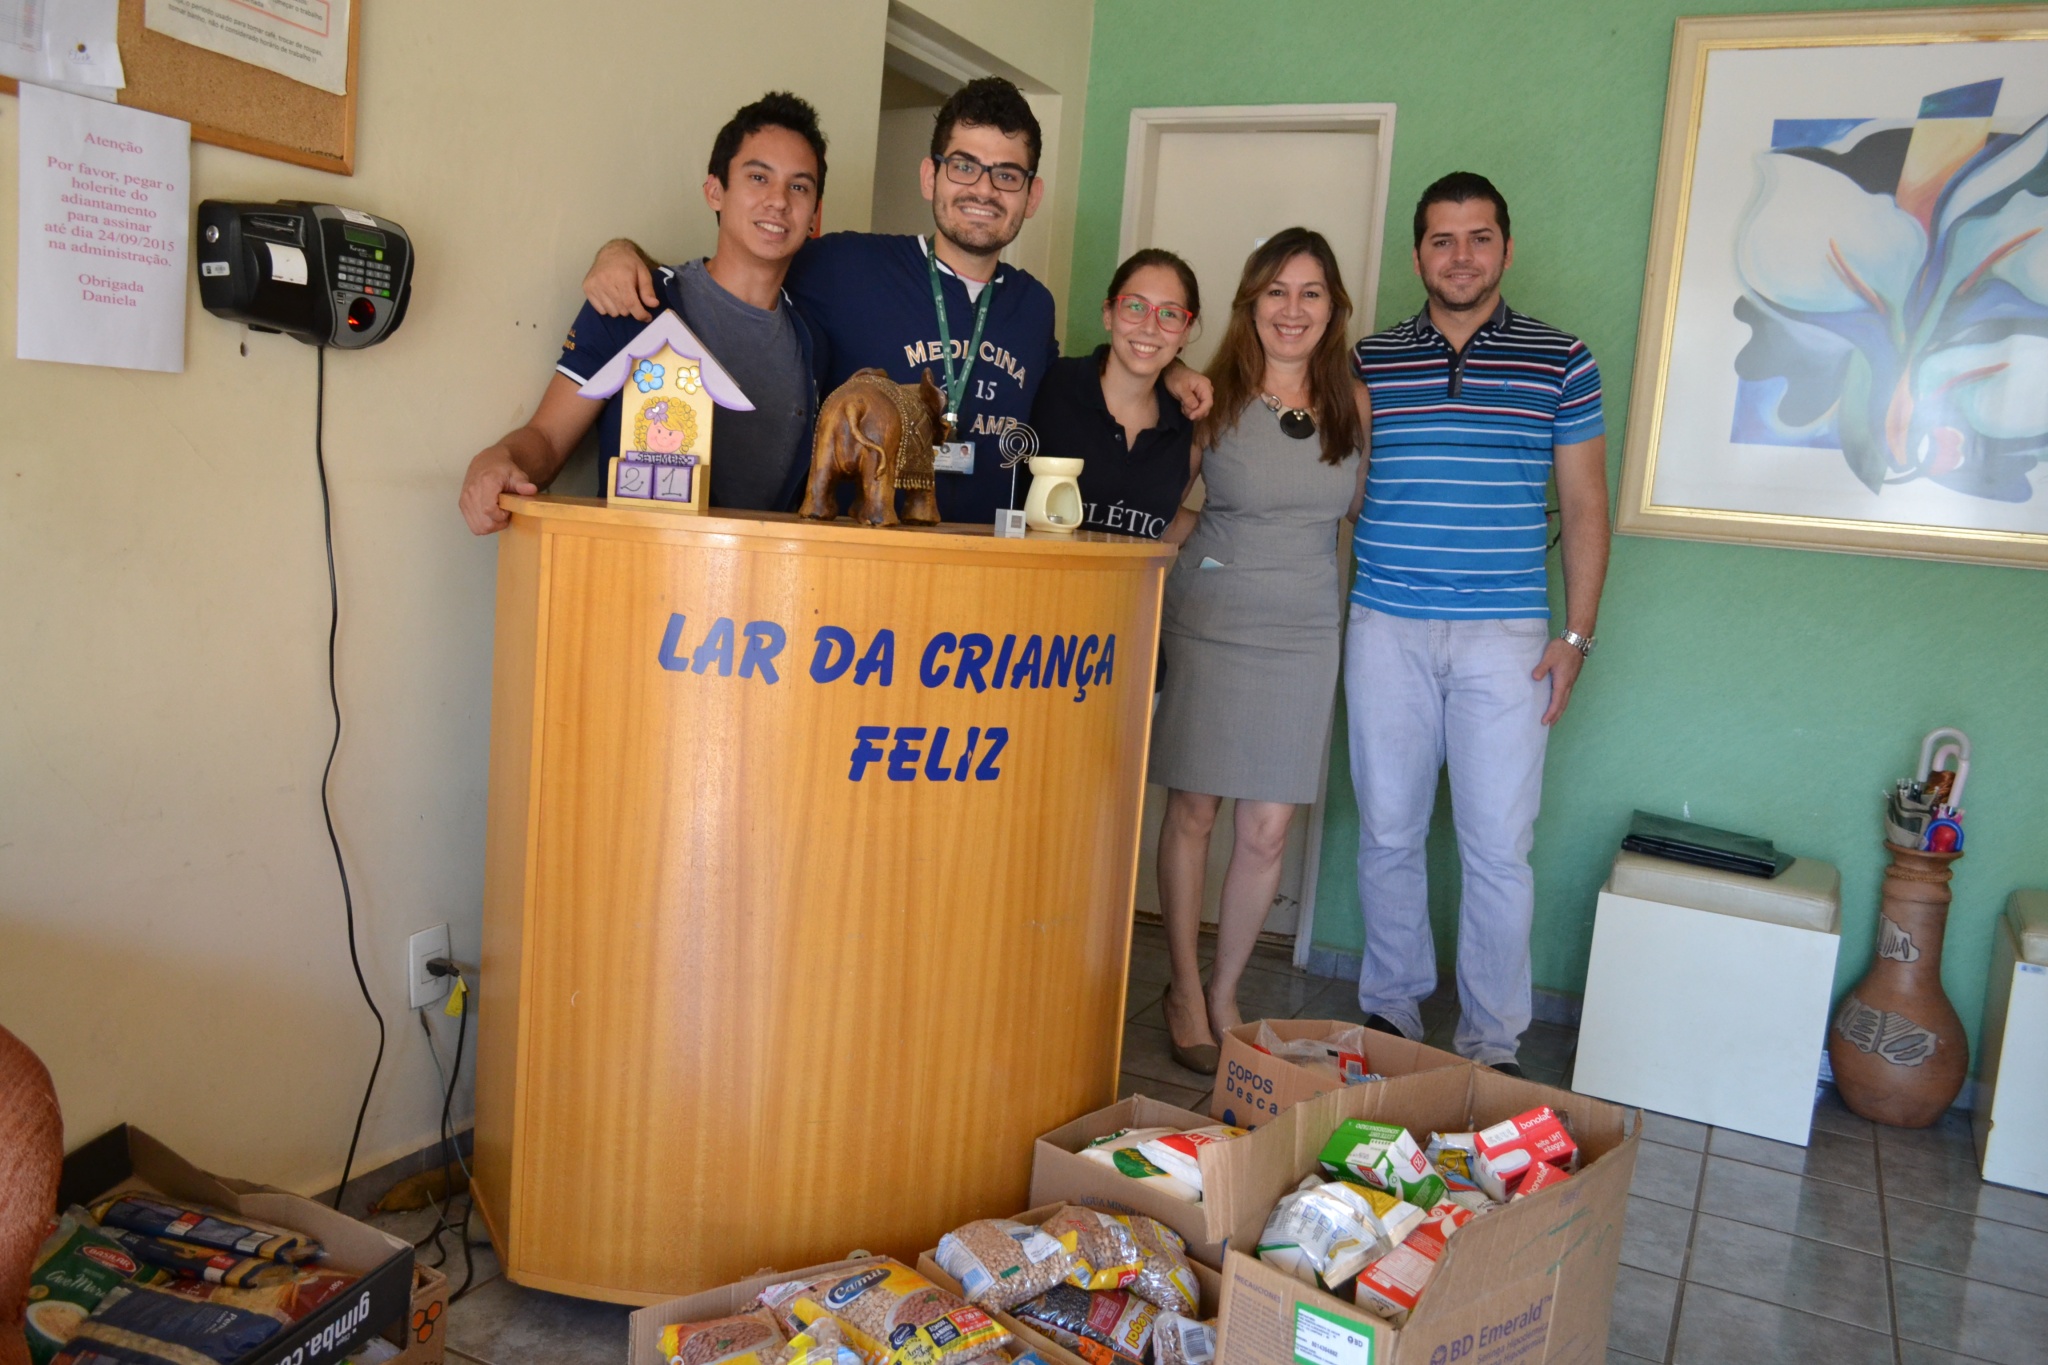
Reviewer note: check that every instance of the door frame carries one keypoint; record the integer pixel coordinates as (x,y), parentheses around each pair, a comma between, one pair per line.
(1141,158)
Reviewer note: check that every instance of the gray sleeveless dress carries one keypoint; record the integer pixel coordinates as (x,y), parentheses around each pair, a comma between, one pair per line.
(1251,642)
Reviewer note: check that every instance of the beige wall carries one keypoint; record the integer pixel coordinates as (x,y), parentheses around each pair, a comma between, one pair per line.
(171,935)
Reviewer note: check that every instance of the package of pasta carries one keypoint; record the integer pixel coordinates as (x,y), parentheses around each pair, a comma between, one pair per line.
(894,1316)
(77,1266)
(1119,1151)
(1000,1263)
(198,1262)
(142,1326)
(1102,1326)
(303,1290)
(1126,1251)
(749,1338)
(1178,1340)
(156,1216)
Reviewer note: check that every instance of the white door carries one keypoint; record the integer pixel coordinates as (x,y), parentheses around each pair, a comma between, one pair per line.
(1211,184)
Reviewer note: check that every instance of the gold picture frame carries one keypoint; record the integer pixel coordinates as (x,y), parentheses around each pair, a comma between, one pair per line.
(1780,133)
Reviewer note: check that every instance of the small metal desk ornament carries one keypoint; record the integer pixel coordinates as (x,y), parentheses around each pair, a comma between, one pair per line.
(1018,444)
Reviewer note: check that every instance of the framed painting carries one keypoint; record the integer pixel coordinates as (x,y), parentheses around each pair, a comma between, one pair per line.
(1844,336)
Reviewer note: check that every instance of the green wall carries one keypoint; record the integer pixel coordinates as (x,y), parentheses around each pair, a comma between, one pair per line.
(1773,691)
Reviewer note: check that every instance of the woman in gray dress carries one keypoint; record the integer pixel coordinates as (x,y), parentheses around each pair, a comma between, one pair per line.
(1253,613)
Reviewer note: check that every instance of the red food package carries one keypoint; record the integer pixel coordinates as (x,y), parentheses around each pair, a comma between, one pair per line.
(1508,1149)
(1541,1176)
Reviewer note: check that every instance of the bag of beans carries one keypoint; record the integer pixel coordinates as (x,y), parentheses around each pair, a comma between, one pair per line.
(750,1338)
(894,1316)
(1000,1263)
(1126,1251)
(1178,1340)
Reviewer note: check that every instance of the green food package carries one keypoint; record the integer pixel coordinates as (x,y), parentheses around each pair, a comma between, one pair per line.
(1385,1157)
(77,1267)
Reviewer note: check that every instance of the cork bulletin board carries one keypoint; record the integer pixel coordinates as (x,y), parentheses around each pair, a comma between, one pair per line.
(234,104)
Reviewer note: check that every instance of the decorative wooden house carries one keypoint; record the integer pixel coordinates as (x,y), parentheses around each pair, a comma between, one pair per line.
(671,383)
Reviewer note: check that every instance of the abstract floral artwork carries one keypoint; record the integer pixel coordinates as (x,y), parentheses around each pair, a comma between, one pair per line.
(1845,326)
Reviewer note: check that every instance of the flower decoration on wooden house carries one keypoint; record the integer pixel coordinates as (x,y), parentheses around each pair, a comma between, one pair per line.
(668,382)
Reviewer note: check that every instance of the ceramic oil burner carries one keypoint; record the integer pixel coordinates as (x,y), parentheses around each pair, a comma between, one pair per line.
(1898,1051)
(1054,502)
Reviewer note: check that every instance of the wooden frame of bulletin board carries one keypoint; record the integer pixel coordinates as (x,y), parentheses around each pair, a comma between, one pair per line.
(234,104)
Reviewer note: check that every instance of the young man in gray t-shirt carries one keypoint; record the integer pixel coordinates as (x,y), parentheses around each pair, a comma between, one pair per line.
(766,179)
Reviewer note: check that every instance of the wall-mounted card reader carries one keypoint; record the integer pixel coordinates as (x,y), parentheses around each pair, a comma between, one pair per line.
(327,275)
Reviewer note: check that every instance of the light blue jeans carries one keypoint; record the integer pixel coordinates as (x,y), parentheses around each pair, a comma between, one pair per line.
(1420,693)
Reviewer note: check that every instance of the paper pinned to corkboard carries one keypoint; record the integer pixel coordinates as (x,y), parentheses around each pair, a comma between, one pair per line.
(306,40)
(233,104)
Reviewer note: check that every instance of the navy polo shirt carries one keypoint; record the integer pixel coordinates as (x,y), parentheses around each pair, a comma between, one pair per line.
(868,297)
(1134,489)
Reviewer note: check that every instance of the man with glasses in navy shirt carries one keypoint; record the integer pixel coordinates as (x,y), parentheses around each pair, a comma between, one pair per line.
(946,303)
(1448,655)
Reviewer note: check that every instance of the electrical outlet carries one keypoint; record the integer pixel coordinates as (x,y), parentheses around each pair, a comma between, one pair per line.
(420,949)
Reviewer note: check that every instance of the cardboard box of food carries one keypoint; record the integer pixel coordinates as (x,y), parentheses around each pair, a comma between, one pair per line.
(1060,1175)
(643,1327)
(423,1337)
(126,1158)
(1529,1282)
(1253,1087)
(927,1265)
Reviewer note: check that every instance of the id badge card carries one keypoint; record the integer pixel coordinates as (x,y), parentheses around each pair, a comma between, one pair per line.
(953,457)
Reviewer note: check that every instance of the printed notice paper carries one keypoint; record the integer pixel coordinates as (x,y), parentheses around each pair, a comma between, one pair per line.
(306,40)
(105,210)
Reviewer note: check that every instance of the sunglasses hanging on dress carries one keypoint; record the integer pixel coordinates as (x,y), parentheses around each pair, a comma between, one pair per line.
(1296,422)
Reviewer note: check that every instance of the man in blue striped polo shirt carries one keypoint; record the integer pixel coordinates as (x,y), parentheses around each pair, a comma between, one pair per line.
(1448,655)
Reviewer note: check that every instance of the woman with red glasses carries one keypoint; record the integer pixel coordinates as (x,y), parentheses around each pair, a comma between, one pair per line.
(1111,410)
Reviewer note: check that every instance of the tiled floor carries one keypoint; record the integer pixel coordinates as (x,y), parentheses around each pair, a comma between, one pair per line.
(1872,1244)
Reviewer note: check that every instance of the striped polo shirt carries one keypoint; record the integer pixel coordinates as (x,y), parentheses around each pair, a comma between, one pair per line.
(1454,524)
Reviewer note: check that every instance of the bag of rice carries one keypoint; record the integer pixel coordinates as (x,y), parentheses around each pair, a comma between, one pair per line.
(1126,1251)
(1103,1327)
(1119,1151)
(894,1316)
(1178,1340)
(1180,1154)
(156,1216)
(999,1263)
(138,1326)
(76,1267)
(749,1338)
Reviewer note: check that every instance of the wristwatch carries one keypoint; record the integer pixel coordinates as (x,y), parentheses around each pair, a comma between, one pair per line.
(1582,643)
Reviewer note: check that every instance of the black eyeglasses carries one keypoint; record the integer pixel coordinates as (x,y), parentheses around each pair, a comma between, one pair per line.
(962,169)
(1299,423)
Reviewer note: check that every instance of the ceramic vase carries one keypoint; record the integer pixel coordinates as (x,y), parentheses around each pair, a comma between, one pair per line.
(1898,1050)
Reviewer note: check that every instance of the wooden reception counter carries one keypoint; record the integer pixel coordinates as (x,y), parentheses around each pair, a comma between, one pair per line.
(808,899)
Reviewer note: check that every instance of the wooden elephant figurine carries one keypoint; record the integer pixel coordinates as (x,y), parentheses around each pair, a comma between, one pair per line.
(880,432)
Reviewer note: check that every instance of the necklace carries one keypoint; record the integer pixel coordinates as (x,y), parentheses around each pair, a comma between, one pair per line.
(1299,423)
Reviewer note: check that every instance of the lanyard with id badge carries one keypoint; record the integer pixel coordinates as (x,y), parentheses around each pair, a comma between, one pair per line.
(955,456)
